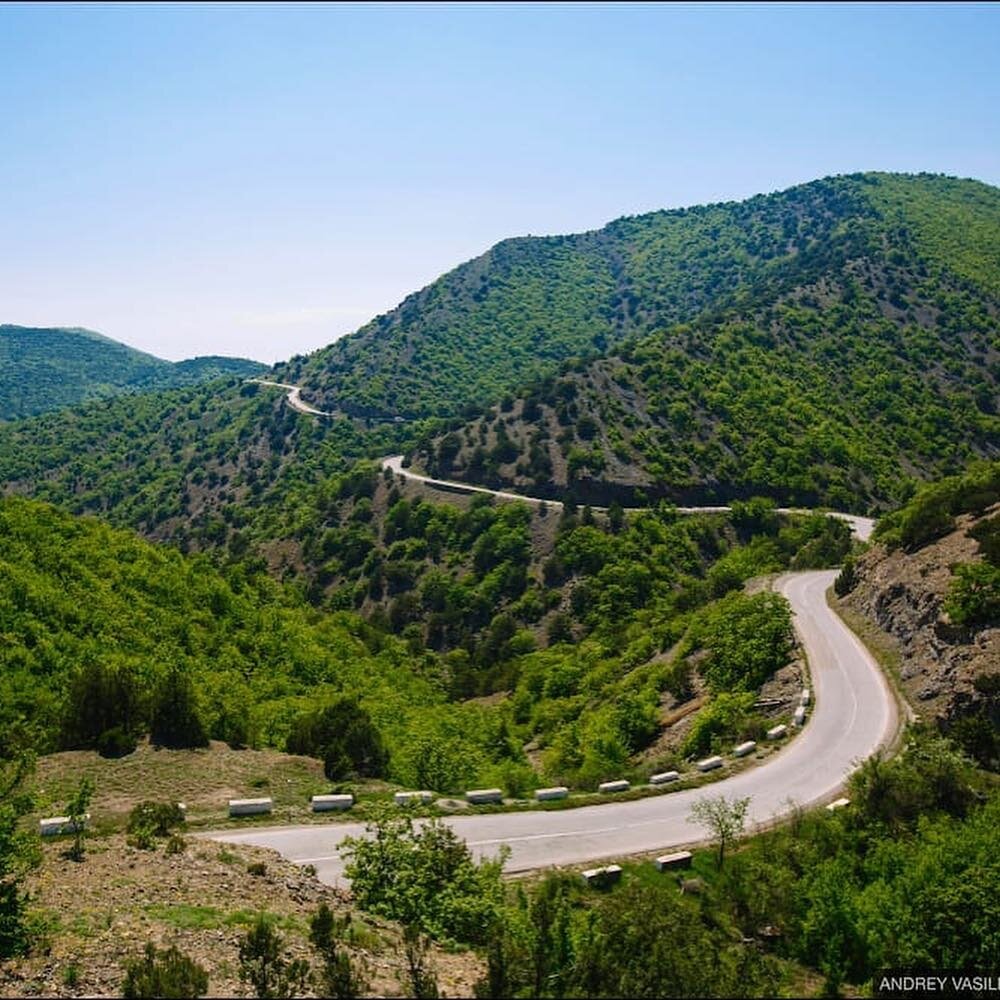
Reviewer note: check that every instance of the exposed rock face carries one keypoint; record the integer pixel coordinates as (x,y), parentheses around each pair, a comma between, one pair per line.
(903,593)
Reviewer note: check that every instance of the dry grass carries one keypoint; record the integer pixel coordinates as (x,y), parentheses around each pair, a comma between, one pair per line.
(203,779)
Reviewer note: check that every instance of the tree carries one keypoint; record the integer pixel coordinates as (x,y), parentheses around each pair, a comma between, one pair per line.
(425,877)
(423,985)
(18,850)
(724,817)
(77,812)
(263,965)
(175,721)
(344,736)
(168,973)
(339,979)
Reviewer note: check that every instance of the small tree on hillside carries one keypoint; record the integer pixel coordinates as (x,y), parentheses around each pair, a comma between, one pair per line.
(339,978)
(18,851)
(724,817)
(77,812)
(263,965)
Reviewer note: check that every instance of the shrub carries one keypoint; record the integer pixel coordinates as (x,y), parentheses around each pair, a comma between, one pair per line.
(339,979)
(158,817)
(727,716)
(167,973)
(263,965)
(175,844)
(425,877)
(115,742)
(974,594)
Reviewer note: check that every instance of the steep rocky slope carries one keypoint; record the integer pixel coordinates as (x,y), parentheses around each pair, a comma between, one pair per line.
(948,671)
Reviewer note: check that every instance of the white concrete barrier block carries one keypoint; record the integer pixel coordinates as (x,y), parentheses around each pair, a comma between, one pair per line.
(610,787)
(745,748)
(799,718)
(709,763)
(408,798)
(329,803)
(548,794)
(480,796)
(806,697)
(664,777)
(602,877)
(54,826)
(249,807)
(778,732)
(679,859)
(838,804)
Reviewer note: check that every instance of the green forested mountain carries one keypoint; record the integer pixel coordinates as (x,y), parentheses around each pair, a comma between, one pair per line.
(832,343)
(49,368)
(625,620)
(869,357)
(515,313)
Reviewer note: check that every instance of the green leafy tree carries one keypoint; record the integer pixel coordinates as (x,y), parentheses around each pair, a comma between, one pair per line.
(420,979)
(425,877)
(724,818)
(18,851)
(344,736)
(174,719)
(76,810)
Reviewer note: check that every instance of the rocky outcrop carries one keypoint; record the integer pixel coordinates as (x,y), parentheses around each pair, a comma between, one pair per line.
(903,593)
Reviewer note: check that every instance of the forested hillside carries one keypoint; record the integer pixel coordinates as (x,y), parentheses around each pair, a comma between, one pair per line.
(108,637)
(512,315)
(50,368)
(870,359)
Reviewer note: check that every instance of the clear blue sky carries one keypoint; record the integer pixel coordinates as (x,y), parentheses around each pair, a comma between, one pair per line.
(259,180)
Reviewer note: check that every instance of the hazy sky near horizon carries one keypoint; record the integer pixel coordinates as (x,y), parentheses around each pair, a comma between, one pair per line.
(257,180)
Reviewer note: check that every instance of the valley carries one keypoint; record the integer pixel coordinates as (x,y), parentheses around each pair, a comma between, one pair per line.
(587,508)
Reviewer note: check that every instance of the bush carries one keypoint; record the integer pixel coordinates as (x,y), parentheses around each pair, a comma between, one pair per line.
(115,742)
(726,718)
(167,973)
(263,965)
(424,877)
(159,818)
(339,979)
(176,844)
(974,594)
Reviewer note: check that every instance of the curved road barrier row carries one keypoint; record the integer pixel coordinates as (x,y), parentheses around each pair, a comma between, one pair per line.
(855,715)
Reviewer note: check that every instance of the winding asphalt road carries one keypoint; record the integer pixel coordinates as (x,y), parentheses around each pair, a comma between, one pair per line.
(855,714)
(861,526)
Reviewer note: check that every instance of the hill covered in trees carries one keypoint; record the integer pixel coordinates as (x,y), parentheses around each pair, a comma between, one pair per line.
(50,368)
(866,358)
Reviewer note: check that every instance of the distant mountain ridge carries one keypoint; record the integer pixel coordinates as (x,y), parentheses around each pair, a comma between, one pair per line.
(47,368)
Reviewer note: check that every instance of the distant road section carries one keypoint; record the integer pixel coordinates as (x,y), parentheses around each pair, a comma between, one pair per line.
(294,397)
(861,526)
(855,714)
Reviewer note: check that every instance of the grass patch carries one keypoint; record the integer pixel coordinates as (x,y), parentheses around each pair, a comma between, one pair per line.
(186,917)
